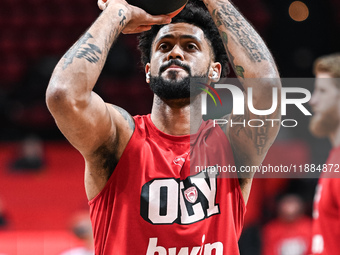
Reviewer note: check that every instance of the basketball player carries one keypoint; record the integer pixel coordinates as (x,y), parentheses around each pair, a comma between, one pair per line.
(325,122)
(143,197)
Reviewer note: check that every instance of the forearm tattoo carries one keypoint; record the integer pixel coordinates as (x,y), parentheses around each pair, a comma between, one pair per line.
(82,49)
(123,20)
(228,19)
(114,33)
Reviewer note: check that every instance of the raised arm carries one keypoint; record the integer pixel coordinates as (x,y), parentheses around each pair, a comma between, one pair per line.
(92,126)
(255,67)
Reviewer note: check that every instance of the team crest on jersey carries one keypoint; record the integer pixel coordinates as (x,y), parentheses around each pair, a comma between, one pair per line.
(191,194)
(179,161)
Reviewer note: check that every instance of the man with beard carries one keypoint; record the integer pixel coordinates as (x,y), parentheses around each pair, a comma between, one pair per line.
(325,104)
(143,196)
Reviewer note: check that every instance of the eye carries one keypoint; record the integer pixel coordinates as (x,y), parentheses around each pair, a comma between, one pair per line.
(192,46)
(163,47)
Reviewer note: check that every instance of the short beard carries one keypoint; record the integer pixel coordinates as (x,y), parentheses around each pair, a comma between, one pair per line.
(322,125)
(188,87)
(172,89)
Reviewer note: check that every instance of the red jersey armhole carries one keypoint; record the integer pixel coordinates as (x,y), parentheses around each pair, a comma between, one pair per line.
(110,180)
(243,203)
(242,210)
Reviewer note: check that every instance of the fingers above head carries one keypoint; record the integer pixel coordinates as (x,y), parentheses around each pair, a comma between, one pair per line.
(157,20)
(143,28)
(139,29)
(102,4)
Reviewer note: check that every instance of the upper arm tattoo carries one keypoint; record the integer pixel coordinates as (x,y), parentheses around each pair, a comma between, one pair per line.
(126,116)
(259,135)
(226,16)
(239,70)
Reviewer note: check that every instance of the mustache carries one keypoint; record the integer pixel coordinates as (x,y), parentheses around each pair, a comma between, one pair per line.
(174,62)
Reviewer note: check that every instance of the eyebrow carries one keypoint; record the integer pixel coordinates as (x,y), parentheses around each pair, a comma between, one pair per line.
(171,36)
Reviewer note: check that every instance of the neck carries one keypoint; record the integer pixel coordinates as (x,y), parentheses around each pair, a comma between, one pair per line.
(177,116)
(334,137)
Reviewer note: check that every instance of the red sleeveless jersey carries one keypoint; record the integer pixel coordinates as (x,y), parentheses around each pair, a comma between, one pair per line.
(326,213)
(154,204)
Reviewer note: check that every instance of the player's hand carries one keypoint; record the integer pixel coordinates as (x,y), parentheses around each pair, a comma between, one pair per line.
(138,20)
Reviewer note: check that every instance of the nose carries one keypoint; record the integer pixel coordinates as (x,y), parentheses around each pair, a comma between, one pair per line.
(313,100)
(176,53)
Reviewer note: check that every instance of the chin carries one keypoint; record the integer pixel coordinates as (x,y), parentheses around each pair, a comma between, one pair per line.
(178,88)
(175,76)
(316,128)
(322,125)
(174,81)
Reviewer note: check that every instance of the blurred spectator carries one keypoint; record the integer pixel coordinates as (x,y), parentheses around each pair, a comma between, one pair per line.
(260,207)
(3,217)
(290,232)
(325,123)
(31,155)
(82,228)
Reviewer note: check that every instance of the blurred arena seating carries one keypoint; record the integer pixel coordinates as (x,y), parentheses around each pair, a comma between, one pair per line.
(40,204)
(34,36)
(43,199)
(36,242)
(33,28)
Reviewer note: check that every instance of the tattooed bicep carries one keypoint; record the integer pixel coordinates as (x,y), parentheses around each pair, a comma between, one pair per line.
(126,116)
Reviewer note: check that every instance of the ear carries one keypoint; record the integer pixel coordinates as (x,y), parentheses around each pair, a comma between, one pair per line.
(215,72)
(147,71)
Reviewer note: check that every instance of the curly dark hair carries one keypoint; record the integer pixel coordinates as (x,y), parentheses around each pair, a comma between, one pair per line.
(199,16)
